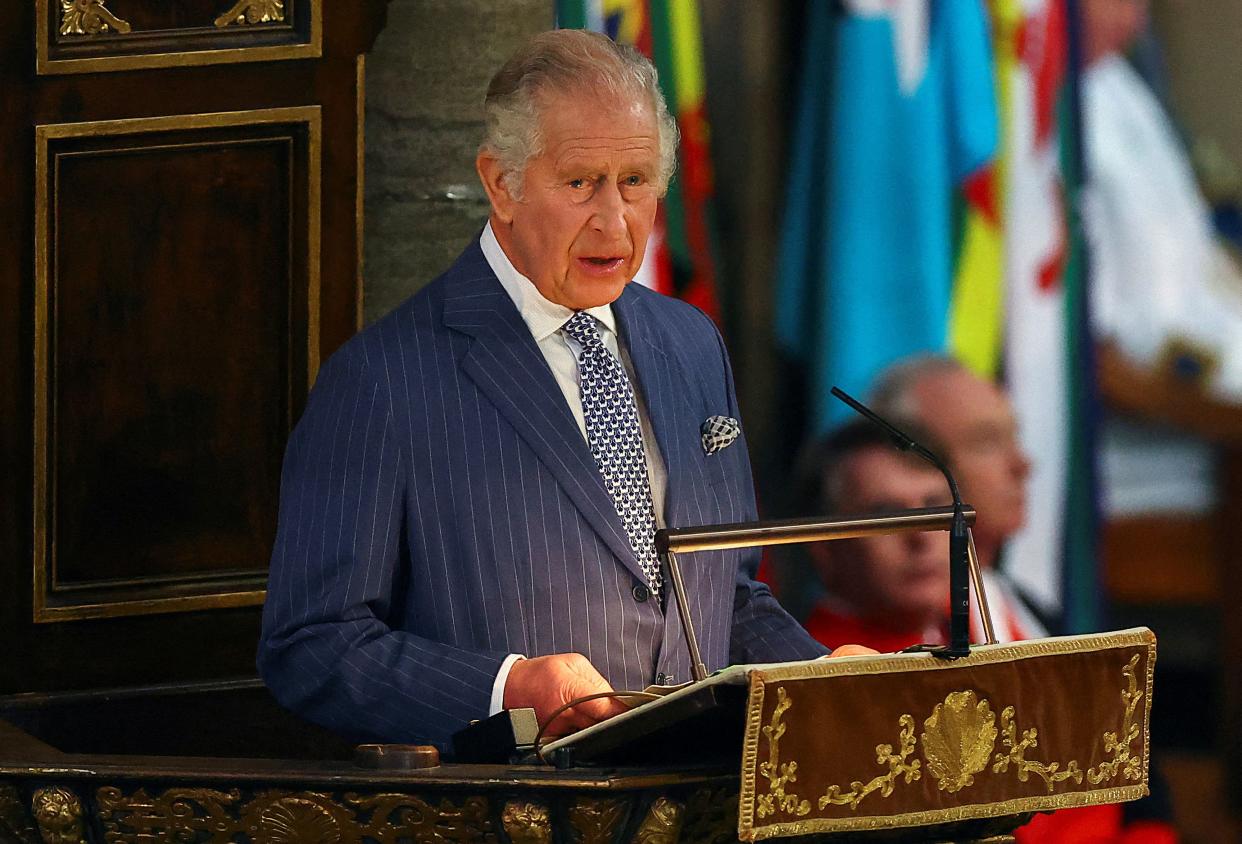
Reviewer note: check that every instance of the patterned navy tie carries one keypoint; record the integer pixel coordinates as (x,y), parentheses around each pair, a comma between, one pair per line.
(616,440)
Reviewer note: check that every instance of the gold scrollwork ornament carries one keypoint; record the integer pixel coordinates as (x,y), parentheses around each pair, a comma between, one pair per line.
(88,17)
(899,765)
(1124,761)
(778,776)
(253,11)
(58,812)
(172,814)
(958,740)
(1050,772)
(407,817)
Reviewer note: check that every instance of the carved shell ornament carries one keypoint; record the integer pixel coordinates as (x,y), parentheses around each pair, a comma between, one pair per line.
(293,819)
(958,740)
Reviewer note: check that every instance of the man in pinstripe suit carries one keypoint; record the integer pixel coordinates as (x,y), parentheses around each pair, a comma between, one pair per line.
(462,525)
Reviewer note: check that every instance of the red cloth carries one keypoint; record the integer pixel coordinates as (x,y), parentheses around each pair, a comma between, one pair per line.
(1092,825)
(833,628)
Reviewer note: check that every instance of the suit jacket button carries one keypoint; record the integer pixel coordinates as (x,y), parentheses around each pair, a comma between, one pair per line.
(641,593)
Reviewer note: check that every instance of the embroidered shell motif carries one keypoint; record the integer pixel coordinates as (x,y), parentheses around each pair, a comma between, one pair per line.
(958,741)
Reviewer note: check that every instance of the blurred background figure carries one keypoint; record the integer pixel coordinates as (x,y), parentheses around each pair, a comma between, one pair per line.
(973,420)
(890,592)
(1166,296)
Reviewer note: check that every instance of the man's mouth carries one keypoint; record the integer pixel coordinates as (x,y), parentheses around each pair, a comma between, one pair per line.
(601,264)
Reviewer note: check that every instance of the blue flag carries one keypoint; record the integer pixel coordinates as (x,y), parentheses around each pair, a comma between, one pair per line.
(896,109)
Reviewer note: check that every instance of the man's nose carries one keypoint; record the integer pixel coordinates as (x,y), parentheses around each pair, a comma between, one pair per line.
(609,216)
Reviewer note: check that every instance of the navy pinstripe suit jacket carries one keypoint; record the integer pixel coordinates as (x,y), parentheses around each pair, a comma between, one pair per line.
(440,509)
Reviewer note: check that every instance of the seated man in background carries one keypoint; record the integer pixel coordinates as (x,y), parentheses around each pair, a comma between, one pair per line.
(892,591)
(974,423)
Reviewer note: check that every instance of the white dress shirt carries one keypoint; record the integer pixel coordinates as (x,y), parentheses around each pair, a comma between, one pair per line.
(544,319)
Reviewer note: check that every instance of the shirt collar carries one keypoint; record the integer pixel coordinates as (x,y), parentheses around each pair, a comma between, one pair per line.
(541,316)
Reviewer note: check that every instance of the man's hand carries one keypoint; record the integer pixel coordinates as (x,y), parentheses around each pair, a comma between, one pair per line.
(549,682)
(851,650)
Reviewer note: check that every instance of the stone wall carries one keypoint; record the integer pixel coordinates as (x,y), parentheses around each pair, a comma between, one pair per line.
(425,83)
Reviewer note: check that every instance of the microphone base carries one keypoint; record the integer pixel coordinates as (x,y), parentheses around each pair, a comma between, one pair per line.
(938,651)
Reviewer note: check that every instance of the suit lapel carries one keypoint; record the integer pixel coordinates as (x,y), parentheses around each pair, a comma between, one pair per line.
(505,363)
(663,384)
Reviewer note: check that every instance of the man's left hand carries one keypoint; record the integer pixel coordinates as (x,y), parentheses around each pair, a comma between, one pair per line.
(852,650)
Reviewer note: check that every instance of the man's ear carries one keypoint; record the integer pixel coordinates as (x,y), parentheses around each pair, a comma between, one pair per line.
(492,174)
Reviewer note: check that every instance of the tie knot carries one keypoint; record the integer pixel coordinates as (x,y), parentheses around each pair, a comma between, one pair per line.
(581,326)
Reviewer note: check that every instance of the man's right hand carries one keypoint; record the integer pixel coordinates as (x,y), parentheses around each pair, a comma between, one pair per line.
(549,682)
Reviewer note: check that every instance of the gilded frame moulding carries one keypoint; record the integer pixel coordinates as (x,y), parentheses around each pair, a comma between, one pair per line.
(970,717)
(44,562)
(264,12)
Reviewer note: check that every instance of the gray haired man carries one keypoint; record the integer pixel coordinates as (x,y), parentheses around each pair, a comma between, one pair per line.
(468,506)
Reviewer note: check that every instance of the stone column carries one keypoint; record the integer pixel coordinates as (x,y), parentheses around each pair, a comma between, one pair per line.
(425,83)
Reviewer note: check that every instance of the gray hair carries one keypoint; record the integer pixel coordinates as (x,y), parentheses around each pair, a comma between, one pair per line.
(567,61)
(893,393)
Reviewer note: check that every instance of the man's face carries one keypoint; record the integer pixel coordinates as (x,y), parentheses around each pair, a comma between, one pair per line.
(1111,26)
(588,203)
(903,576)
(975,422)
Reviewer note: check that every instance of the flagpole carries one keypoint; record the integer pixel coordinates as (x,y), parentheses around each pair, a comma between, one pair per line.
(1080,576)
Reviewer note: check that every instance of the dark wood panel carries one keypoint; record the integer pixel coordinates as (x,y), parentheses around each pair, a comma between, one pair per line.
(181,644)
(1161,559)
(172,401)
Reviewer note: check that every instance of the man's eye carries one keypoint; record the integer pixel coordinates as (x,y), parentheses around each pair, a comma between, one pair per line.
(633,180)
(577,183)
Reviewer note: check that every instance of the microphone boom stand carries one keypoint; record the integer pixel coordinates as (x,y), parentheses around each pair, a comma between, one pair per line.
(670,542)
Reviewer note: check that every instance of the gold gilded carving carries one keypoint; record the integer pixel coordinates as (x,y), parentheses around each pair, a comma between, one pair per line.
(662,824)
(1124,761)
(1051,773)
(897,766)
(778,775)
(595,820)
(88,17)
(177,813)
(252,11)
(526,823)
(960,734)
(283,816)
(404,817)
(292,819)
(15,823)
(58,812)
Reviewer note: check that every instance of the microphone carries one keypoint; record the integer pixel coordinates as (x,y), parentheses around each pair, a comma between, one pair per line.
(959,541)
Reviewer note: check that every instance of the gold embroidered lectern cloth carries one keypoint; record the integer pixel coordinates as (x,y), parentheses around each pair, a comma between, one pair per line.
(899,740)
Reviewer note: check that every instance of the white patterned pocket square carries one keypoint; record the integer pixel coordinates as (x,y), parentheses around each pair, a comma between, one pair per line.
(719,432)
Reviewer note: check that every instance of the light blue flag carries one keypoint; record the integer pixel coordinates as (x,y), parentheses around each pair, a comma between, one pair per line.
(892,116)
